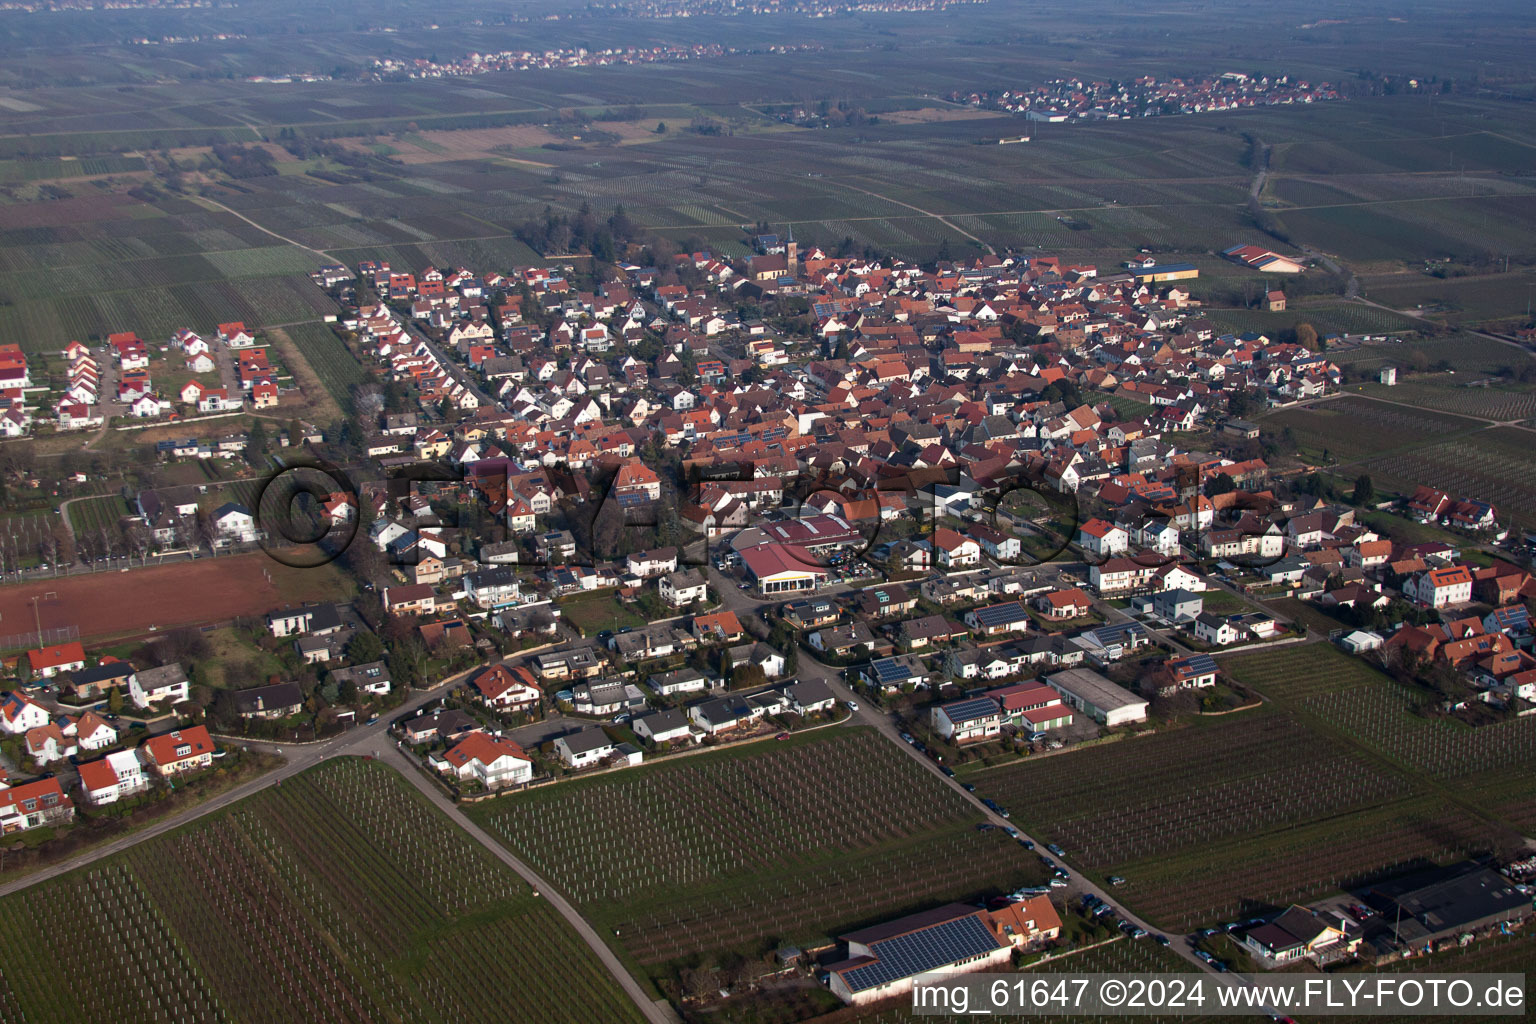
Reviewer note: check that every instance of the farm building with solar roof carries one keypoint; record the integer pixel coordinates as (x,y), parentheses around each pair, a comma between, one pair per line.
(952,939)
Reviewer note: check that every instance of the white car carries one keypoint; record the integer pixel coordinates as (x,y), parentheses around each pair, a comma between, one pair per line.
(853,705)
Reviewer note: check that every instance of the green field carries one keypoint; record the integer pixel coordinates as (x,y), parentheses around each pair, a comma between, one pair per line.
(743,849)
(1320,789)
(1495,400)
(1492,465)
(1350,428)
(593,613)
(341,891)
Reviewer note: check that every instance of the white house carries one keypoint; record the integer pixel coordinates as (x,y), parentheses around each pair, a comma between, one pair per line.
(234,523)
(20,714)
(112,778)
(585,748)
(668,726)
(683,587)
(1103,539)
(1438,588)
(489,761)
(968,721)
(1215,630)
(955,550)
(90,731)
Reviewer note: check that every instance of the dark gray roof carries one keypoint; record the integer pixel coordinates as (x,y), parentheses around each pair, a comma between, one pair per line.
(268,698)
(586,741)
(811,691)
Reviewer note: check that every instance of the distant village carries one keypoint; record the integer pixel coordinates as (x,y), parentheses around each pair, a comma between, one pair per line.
(1075,99)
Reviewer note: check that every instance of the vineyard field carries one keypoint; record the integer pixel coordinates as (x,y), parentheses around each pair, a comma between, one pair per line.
(794,842)
(342,892)
(1350,428)
(1493,465)
(1500,401)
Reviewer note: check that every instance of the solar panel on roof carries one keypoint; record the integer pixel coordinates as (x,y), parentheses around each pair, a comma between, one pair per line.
(1199,663)
(968,710)
(927,949)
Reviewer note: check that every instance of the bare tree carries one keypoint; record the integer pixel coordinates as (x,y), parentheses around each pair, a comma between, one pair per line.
(208,533)
(138,540)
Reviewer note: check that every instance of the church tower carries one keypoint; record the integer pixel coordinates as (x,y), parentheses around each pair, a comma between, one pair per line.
(791,254)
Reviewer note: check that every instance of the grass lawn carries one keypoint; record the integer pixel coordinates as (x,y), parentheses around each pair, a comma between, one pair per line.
(1307,614)
(321,583)
(234,660)
(595,612)
(1222,602)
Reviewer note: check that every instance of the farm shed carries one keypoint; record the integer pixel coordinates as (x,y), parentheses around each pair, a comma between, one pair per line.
(1097,697)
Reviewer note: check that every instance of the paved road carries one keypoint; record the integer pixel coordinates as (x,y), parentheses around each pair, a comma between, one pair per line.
(449,363)
(658,1012)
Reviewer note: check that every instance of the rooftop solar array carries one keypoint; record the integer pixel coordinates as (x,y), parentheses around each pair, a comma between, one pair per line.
(1198,664)
(887,669)
(970,710)
(1001,614)
(923,950)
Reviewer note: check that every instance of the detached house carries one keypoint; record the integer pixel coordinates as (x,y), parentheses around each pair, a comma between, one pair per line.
(1437,588)
(179,751)
(508,688)
(968,721)
(492,762)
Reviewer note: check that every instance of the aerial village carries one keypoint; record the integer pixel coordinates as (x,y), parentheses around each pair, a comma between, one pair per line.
(1008,501)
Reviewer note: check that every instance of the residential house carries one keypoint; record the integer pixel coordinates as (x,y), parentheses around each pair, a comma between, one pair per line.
(682,588)
(1216,630)
(507,688)
(993,619)
(112,778)
(280,700)
(179,751)
(492,762)
(31,804)
(585,748)
(974,720)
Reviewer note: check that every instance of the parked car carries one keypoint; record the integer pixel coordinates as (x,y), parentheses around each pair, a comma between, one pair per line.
(969,787)
(1058,851)
(1116,880)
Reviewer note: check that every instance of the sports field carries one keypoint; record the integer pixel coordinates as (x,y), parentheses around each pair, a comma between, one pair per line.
(165,596)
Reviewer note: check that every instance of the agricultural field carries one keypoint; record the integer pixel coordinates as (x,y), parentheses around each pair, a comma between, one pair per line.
(775,842)
(342,891)
(326,362)
(1466,300)
(96,514)
(1492,465)
(1466,353)
(1380,714)
(1351,428)
(1230,815)
(22,537)
(1505,401)
(1329,317)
